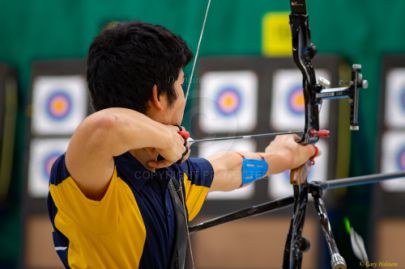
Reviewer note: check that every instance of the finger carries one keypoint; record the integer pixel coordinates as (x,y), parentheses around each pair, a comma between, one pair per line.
(178,144)
(184,134)
(315,151)
(290,137)
(187,156)
(187,145)
(297,138)
(310,150)
(299,175)
(174,128)
(188,152)
(185,153)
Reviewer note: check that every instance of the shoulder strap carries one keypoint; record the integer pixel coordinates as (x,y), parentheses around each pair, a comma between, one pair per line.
(182,254)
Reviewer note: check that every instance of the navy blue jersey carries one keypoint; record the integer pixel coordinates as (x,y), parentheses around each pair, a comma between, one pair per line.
(134,224)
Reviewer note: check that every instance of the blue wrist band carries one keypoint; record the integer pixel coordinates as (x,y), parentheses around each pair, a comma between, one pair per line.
(253,170)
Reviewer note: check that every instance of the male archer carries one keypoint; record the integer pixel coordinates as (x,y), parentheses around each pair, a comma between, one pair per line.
(112,202)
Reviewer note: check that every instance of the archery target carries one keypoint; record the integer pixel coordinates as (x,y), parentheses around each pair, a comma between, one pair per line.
(43,154)
(279,184)
(287,109)
(59,104)
(228,101)
(393,159)
(206,149)
(395,98)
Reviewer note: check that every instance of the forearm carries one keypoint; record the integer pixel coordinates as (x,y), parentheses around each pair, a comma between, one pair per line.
(283,153)
(228,167)
(277,161)
(120,130)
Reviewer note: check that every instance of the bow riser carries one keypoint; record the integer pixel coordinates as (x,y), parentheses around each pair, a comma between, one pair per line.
(303,52)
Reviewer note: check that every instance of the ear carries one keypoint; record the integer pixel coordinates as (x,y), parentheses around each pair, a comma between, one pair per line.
(156,101)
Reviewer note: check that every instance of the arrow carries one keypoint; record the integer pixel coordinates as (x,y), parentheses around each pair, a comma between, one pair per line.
(214,139)
(357,242)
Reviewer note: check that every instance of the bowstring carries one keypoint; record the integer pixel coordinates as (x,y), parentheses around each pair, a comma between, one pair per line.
(186,97)
(198,48)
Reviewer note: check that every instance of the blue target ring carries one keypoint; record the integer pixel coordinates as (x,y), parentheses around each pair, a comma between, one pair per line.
(59,105)
(401,159)
(402,99)
(47,163)
(295,101)
(286,176)
(228,101)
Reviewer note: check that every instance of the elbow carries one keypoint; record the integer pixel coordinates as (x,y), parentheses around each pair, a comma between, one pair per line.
(104,122)
(101,126)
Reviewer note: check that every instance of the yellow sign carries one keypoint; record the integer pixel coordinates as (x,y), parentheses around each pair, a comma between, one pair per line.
(276,34)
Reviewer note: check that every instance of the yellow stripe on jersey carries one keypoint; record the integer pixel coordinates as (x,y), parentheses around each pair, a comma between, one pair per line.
(195,197)
(104,230)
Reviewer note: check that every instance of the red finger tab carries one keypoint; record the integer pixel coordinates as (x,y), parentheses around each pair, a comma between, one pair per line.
(184,134)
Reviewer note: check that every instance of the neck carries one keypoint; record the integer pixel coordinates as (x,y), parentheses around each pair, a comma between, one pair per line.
(144,156)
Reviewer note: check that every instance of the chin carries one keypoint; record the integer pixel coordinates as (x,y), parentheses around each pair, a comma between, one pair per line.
(178,122)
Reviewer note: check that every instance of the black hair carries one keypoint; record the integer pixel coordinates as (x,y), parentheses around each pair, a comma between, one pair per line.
(126,60)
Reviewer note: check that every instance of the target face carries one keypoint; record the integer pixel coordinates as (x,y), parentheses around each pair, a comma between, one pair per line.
(48,161)
(206,149)
(59,104)
(393,159)
(295,101)
(401,158)
(402,99)
(228,101)
(279,184)
(43,154)
(395,98)
(288,104)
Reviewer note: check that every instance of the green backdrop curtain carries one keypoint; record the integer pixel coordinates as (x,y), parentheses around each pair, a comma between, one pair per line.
(359,30)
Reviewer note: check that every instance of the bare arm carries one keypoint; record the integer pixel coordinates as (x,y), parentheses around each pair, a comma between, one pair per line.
(112,132)
(282,154)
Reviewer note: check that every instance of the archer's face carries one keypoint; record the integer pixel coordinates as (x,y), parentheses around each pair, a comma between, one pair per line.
(174,113)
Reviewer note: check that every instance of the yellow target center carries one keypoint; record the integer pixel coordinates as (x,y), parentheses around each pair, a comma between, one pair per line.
(228,101)
(58,105)
(299,100)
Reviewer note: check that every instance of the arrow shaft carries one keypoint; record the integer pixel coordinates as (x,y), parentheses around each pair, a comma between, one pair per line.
(242,137)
